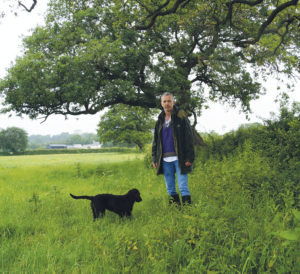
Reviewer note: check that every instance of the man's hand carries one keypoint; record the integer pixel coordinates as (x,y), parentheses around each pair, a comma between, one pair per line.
(188,163)
(154,165)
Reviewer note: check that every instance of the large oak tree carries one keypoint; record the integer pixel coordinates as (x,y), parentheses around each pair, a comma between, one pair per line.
(95,54)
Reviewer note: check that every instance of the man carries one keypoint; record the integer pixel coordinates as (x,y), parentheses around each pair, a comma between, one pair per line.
(173,149)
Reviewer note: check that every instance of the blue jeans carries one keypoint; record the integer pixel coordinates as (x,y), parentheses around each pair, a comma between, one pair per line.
(170,168)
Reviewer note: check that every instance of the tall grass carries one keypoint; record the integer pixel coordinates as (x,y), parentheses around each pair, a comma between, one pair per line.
(43,230)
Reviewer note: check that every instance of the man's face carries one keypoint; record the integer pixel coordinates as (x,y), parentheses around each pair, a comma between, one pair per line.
(167,103)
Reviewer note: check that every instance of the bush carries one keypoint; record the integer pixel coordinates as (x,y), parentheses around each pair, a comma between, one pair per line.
(273,147)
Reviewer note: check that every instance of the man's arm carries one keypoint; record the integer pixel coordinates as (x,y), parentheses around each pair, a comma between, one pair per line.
(154,148)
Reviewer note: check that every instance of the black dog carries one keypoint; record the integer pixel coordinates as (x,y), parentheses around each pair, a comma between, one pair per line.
(120,204)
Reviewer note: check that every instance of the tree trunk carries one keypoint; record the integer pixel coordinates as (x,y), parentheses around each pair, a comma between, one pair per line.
(140,145)
(198,141)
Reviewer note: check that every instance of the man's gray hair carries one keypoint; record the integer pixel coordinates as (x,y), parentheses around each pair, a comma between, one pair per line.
(167,94)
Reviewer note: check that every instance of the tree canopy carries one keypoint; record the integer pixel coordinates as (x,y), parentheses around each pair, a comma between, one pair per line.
(13,140)
(94,54)
(126,124)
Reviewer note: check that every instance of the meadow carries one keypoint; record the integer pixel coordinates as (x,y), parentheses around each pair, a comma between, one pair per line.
(226,230)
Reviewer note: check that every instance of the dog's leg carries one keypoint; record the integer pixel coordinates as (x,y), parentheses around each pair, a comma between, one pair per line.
(101,212)
(125,214)
(95,215)
(97,212)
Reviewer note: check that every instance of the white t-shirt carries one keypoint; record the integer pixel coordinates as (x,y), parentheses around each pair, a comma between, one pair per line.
(170,158)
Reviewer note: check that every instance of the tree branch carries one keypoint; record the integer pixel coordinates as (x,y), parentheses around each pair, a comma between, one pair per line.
(284,34)
(158,12)
(31,8)
(270,19)
(230,7)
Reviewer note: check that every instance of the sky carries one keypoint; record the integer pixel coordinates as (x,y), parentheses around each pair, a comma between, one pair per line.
(218,118)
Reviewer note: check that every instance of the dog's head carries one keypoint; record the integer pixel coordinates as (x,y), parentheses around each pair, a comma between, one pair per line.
(135,194)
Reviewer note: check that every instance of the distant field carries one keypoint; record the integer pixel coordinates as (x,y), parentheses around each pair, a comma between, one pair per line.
(62,159)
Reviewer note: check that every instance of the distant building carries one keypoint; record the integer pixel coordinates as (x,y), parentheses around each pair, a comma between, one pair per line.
(56,146)
(94,145)
(78,146)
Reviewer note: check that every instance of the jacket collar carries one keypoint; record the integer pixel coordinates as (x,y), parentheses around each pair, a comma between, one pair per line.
(174,113)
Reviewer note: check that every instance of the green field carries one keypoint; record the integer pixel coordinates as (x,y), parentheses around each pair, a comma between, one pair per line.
(65,159)
(43,230)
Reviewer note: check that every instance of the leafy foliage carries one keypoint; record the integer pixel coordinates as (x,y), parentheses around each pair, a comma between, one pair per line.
(95,54)
(276,144)
(125,124)
(13,140)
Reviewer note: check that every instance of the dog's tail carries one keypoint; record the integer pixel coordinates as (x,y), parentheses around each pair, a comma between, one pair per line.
(82,197)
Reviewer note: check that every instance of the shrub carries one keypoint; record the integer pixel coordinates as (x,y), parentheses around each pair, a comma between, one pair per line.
(274,146)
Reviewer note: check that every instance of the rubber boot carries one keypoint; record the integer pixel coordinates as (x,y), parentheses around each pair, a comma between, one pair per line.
(174,199)
(186,200)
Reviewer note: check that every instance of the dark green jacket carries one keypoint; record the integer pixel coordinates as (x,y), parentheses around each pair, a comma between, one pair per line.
(183,140)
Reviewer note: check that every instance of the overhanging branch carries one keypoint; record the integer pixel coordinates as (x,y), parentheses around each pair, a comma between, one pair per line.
(28,9)
(160,12)
(262,30)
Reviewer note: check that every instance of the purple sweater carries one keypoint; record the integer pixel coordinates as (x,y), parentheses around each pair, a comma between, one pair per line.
(168,141)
